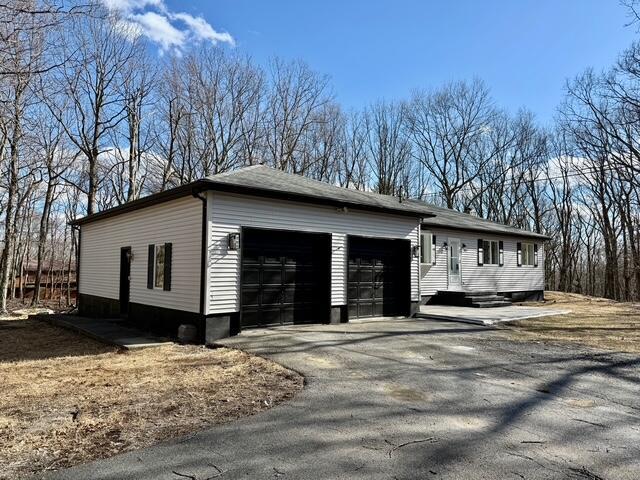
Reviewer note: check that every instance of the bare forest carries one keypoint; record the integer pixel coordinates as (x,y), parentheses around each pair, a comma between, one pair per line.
(91,117)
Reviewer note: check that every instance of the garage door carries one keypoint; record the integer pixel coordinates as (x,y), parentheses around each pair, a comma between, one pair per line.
(378,278)
(285,277)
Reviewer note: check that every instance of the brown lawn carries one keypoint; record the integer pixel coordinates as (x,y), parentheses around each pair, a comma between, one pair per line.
(67,399)
(594,322)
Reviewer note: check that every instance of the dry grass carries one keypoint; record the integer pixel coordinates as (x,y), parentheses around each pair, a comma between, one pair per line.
(594,322)
(67,399)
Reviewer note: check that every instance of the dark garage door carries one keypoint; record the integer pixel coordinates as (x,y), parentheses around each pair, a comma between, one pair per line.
(378,277)
(285,277)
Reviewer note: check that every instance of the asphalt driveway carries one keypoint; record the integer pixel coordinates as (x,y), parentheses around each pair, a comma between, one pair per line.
(414,398)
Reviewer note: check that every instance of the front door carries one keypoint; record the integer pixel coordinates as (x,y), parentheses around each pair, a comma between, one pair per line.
(125,280)
(455,280)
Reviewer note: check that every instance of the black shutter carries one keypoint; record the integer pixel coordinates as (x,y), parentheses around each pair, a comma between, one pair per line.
(501,253)
(480,253)
(535,254)
(519,253)
(150,262)
(167,267)
(433,249)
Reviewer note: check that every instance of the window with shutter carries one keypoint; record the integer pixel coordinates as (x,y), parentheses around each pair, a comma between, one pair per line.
(159,266)
(490,252)
(528,254)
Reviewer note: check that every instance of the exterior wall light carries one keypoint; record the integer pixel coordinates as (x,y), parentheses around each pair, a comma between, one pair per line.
(415,251)
(445,244)
(233,241)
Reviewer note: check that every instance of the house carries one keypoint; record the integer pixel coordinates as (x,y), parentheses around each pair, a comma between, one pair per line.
(258,246)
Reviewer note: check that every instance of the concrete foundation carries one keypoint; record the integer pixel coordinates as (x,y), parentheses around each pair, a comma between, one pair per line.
(339,314)
(216,328)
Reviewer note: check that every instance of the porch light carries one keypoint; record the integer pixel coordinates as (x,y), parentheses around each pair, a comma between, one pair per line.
(445,244)
(415,251)
(233,241)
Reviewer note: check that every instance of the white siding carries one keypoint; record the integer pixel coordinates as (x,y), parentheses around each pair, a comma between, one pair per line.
(228,213)
(508,278)
(178,222)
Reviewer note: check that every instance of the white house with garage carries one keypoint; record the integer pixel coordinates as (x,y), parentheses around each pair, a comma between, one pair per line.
(258,247)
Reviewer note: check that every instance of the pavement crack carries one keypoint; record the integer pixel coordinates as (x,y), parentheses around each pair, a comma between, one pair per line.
(412,442)
(589,423)
(583,472)
(540,464)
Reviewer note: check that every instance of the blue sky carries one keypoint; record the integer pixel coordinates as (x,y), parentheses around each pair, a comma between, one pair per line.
(523,50)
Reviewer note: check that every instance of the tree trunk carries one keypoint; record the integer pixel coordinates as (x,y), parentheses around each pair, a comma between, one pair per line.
(42,235)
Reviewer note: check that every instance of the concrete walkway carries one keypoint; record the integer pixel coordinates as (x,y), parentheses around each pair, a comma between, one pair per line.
(414,399)
(112,331)
(486,316)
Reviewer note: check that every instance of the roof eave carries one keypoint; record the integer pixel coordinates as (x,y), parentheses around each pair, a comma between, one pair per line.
(280,195)
(518,233)
(157,198)
(209,184)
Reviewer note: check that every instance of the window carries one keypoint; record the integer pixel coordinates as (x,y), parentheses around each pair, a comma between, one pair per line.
(425,247)
(490,252)
(159,267)
(528,254)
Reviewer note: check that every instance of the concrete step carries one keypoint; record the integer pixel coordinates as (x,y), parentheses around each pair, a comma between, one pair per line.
(493,304)
(484,298)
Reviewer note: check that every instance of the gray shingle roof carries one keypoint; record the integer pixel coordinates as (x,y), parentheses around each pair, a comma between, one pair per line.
(265,179)
(446,218)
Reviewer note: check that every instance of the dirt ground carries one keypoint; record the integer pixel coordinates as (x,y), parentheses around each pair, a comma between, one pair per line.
(594,322)
(67,399)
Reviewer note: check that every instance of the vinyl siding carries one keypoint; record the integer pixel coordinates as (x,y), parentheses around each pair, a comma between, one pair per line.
(229,212)
(178,222)
(507,278)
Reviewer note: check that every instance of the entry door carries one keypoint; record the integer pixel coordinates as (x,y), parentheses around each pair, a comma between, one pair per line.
(455,280)
(125,280)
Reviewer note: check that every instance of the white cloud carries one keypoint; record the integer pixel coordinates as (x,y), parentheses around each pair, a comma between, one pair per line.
(129,6)
(160,30)
(170,30)
(201,29)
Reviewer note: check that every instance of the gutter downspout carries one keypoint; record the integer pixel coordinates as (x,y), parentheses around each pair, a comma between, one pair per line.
(203,250)
(77,229)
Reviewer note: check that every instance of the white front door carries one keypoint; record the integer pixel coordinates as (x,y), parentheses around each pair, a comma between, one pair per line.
(455,280)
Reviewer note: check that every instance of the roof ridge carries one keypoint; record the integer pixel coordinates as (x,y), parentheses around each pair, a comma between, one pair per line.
(278,171)
(233,172)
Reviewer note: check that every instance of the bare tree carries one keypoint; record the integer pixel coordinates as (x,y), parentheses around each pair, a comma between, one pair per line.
(296,95)
(450,129)
(92,100)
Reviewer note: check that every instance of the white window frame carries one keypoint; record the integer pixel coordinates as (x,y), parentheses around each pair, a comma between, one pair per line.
(492,261)
(158,283)
(528,254)
(426,239)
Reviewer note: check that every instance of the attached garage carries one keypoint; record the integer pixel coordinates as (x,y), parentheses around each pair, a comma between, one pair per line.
(253,247)
(378,277)
(285,277)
